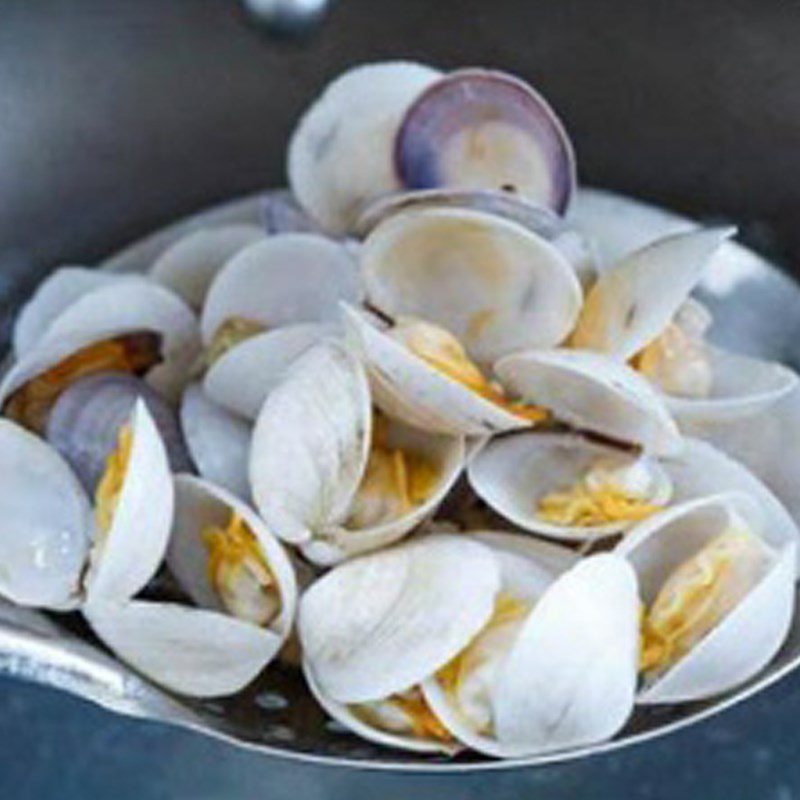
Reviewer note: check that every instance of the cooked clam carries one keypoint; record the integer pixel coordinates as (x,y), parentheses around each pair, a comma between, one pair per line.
(637,311)
(718,596)
(366,660)
(494,284)
(241,378)
(56,556)
(593,392)
(52,296)
(420,373)
(237,574)
(329,476)
(281,281)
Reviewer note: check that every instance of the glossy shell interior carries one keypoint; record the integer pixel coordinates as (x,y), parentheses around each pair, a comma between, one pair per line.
(277,715)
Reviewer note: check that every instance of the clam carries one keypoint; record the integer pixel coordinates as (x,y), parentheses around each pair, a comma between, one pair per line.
(593,392)
(53,295)
(569,487)
(242,377)
(219,441)
(718,596)
(571,243)
(637,311)
(332,478)
(493,283)
(365,660)
(420,373)
(284,279)
(86,336)
(236,573)
(84,421)
(553,668)
(33,384)
(333,173)
(189,265)
(55,555)
(484,129)
(483,645)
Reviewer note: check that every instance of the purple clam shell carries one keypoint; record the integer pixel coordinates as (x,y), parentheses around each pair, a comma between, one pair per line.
(85,420)
(470,98)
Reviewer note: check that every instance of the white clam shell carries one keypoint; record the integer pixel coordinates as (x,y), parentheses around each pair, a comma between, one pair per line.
(218,441)
(52,296)
(384,622)
(512,474)
(282,280)
(553,558)
(46,523)
(312,437)
(593,392)
(741,387)
(570,675)
(342,713)
(135,544)
(747,638)
(341,152)
(242,377)
(200,504)
(494,284)
(409,389)
(189,265)
(309,452)
(128,305)
(633,301)
(188,650)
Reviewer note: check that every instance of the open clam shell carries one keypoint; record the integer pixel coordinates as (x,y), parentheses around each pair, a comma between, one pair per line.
(633,301)
(331,171)
(741,387)
(484,129)
(746,638)
(242,377)
(494,284)
(126,555)
(199,504)
(513,474)
(219,441)
(190,264)
(282,280)
(194,651)
(426,600)
(409,389)
(134,305)
(310,460)
(571,243)
(595,393)
(33,384)
(563,677)
(47,523)
(52,296)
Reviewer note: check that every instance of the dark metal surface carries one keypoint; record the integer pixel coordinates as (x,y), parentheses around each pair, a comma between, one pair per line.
(116,117)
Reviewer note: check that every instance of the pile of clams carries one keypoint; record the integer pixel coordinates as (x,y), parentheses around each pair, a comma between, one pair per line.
(418,385)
